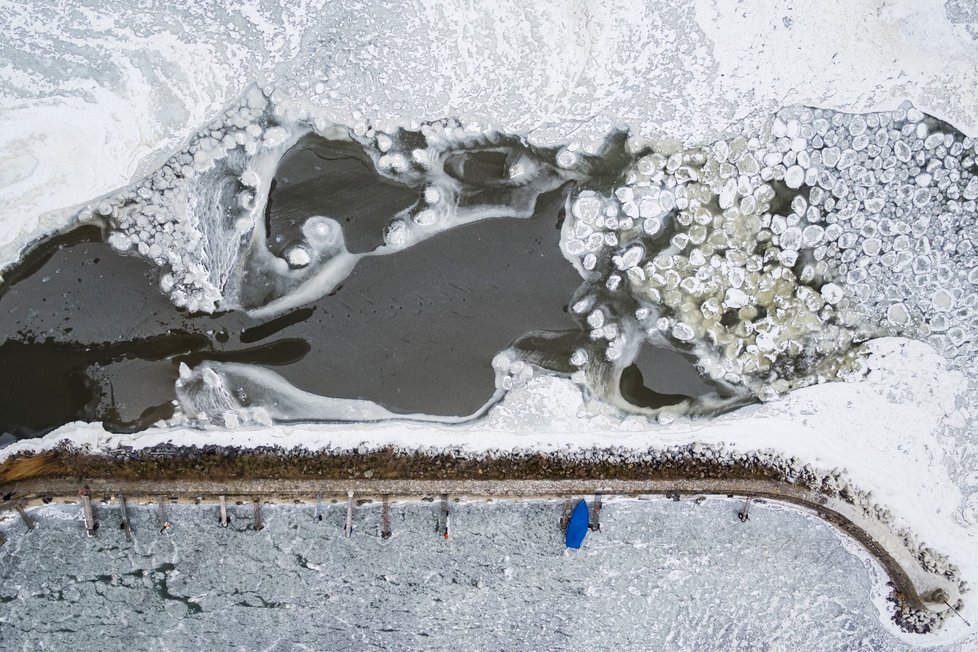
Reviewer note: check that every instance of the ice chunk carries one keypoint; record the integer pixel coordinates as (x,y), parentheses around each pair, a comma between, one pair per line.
(898,315)
(791,238)
(872,246)
(321,231)
(596,319)
(652,225)
(735,298)
(586,207)
(812,235)
(832,293)
(942,300)
(297,256)
(794,176)
(683,332)
(632,256)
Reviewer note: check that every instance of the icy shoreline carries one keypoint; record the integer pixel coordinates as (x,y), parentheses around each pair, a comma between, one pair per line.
(884,432)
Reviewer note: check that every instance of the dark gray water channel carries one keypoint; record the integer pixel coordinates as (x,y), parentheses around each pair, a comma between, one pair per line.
(85,333)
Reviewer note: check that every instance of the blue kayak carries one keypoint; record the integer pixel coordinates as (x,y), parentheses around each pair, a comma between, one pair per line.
(577,525)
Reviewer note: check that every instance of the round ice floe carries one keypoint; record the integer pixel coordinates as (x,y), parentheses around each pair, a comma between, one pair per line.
(396,233)
(794,176)
(942,300)
(250,179)
(582,305)
(832,293)
(425,217)
(683,332)
(736,277)
(874,204)
(321,231)
(902,151)
(652,225)
(735,299)
(566,158)
(812,235)
(395,162)
(432,195)
(898,315)
(579,358)
(872,246)
(574,247)
(788,257)
(119,241)
(586,207)
(791,238)
(274,136)
(649,206)
(297,256)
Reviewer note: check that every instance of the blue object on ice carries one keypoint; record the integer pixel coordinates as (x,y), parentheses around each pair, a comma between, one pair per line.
(577,525)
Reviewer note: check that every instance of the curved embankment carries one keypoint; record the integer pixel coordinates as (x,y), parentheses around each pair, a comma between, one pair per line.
(915,588)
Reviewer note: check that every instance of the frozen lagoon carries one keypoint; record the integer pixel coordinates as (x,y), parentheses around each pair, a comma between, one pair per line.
(660,575)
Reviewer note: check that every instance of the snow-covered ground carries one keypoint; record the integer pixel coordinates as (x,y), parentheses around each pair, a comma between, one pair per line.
(94,95)
(660,575)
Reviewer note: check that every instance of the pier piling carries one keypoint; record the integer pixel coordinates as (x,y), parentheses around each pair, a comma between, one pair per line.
(164,523)
(259,523)
(124,524)
(90,525)
(348,530)
(744,514)
(385,519)
(443,517)
(225,521)
(595,524)
(25,517)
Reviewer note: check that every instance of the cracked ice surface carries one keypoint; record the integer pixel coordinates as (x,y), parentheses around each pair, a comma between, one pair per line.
(660,575)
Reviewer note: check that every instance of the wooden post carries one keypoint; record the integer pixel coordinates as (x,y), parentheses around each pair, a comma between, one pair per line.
(385,519)
(124,518)
(595,524)
(348,531)
(26,518)
(259,523)
(86,497)
(225,521)
(744,514)
(565,517)
(956,613)
(443,517)
(164,524)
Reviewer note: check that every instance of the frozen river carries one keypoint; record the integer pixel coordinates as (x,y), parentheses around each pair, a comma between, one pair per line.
(660,575)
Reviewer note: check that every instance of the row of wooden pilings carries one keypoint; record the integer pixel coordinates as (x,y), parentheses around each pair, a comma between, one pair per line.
(258,522)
